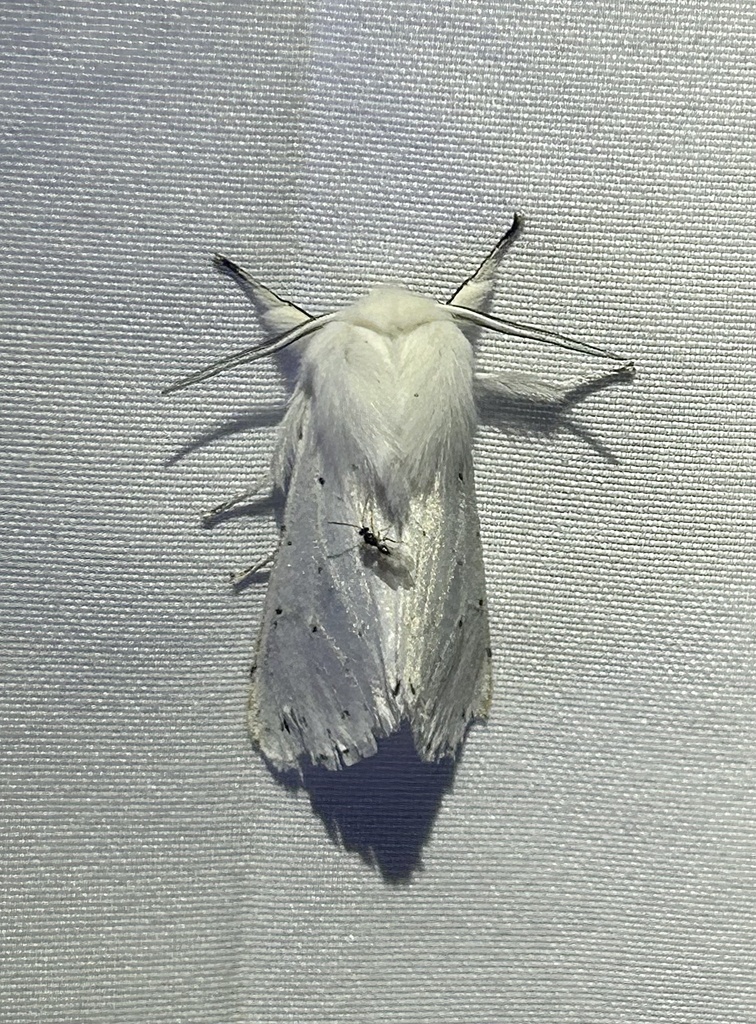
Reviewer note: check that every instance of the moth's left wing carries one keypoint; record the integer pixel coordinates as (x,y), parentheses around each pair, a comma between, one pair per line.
(443,642)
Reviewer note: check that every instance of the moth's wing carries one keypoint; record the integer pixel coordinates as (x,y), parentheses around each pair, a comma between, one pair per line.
(444,648)
(320,688)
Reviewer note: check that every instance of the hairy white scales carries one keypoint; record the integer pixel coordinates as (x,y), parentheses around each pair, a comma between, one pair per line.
(360,634)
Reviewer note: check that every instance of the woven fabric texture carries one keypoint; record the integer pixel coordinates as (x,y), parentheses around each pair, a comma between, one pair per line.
(593,859)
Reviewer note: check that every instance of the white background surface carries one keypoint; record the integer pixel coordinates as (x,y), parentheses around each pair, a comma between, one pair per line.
(594,859)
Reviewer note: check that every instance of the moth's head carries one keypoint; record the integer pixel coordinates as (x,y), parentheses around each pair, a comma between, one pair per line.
(392,310)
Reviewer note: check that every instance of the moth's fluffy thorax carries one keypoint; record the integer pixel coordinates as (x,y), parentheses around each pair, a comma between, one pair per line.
(393,310)
(389,389)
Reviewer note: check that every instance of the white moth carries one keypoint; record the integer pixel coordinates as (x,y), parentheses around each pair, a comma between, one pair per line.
(356,639)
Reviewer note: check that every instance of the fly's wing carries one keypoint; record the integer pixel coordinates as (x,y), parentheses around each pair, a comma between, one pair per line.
(320,686)
(443,651)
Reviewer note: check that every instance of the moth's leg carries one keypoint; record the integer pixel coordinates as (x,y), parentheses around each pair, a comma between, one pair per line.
(245,574)
(264,483)
(530,391)
(290,434)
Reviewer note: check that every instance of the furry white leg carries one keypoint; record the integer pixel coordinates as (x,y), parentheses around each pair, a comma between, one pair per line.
(530,391)
(245,574)
(238,499)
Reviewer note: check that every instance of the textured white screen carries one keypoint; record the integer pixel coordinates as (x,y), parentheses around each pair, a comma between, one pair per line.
(595,860)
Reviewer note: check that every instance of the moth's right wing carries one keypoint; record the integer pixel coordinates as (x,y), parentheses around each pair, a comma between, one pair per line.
(320,687)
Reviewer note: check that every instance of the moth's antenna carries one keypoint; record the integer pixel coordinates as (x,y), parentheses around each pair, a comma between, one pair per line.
(487,269)
(249,355)
(259,291)
(529,333)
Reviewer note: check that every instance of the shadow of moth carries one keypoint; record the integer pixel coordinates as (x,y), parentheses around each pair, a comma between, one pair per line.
(382,418)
